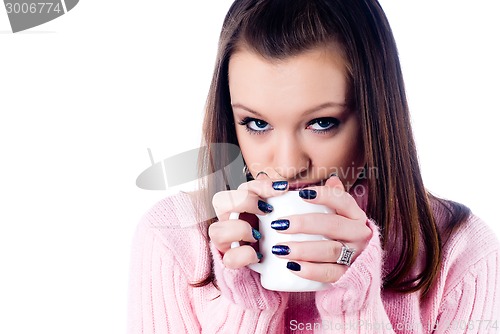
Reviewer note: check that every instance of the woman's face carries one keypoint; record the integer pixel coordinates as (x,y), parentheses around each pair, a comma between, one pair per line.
(291,117)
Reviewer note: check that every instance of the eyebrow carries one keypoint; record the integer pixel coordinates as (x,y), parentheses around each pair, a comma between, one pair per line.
(308,111)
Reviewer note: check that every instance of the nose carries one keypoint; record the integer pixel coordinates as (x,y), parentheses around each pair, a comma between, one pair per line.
(290,159)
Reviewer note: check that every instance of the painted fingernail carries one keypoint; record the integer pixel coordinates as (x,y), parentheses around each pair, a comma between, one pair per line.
(293,266)
(280,185)
(280,250)
(264,207)
(332,175)
(280,224)
(256,234)
(259,255)
(308,193)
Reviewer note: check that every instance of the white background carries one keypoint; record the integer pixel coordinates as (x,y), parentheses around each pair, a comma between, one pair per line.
(84,96)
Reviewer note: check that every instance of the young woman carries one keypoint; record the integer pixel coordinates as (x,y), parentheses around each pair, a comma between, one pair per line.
(312,94)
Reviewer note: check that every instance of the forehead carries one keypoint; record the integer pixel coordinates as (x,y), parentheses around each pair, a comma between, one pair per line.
(319,56)
(310,78)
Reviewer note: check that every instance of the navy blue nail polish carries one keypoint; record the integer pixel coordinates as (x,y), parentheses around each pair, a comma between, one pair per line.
(259,255)
(264,207)
(256,234)
(308,193)
(280,250)
(294,266)
(280,224)
(280,185)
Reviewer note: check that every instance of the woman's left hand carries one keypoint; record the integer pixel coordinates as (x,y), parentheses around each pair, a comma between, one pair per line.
(317,260)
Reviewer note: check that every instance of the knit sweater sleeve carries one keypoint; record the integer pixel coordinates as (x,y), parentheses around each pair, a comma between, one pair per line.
(471,295)
(242,289)
(169,254)
(353,304)
(465,298)
(159,292)
(473,305)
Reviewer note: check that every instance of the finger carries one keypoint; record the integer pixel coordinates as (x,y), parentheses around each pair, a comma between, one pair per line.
(223,233)
(336,198)
(225,202)
(248,197)
(320,272)
(326,251)
(330,225)
(236,258)
(264,187)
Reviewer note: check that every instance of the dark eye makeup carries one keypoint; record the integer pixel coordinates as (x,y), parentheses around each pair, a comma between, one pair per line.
(318,125)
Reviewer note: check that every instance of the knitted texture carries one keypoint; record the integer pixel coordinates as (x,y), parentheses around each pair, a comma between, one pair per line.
(170,251)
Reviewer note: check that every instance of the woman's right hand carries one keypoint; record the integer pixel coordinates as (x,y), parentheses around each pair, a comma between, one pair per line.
(249,197)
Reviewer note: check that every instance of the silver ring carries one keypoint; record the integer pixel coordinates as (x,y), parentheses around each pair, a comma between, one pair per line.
(346,254)
(261,172)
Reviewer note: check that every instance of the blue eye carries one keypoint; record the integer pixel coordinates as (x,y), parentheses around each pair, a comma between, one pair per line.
(323,124)
(254,125)
(259,125)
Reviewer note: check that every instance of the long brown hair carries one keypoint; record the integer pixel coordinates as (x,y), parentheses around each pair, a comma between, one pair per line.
(397,199)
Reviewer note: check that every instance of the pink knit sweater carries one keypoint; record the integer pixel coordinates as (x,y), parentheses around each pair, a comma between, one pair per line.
(170,252)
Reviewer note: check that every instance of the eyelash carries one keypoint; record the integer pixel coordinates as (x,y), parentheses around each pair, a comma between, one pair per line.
(248,120)
(333,120)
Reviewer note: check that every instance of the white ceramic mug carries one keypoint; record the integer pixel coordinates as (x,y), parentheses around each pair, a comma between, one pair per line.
(274,275)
